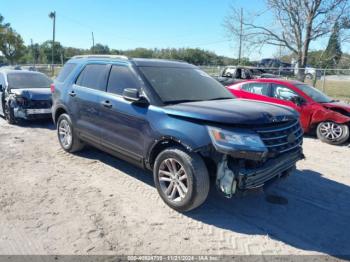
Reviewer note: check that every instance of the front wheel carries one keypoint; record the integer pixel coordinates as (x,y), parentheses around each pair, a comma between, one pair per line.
(332,133)
(181,178)
(9,114)
(69,141)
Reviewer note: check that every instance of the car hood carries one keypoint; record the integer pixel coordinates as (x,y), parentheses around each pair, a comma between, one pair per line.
(337,104)
(33,93)
(233,111)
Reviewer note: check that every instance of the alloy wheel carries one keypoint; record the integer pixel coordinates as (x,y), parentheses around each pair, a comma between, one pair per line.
(173,179)
(65,133)
(331,131)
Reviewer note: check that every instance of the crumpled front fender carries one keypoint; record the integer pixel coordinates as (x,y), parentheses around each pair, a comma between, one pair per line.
(329,115)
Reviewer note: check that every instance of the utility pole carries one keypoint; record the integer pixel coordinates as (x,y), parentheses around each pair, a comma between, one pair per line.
(93,42)
(33,55)
(52,15)
(240,38)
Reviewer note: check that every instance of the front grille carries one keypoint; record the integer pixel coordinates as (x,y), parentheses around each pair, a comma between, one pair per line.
(283,137)
(38,104)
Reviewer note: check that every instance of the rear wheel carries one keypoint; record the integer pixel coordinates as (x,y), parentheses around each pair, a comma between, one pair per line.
(181,179)
(332,133)
(69,141)
(9,114)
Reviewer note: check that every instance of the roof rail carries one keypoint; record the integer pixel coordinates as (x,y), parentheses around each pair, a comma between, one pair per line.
(101,56)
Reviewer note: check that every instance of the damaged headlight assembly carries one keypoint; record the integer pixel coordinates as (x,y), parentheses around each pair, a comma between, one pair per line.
(238,144)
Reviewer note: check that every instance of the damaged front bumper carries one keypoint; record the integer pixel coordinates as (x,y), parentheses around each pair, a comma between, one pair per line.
(30,114)
(239,175)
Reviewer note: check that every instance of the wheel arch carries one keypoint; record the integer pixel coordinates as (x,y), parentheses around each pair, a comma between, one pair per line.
(160,145)
(59,111)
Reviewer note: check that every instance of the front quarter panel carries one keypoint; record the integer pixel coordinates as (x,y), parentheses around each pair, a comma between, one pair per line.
(322,114)
(192,135)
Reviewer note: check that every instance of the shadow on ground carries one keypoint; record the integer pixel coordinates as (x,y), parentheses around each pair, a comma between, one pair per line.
(307,210)
(39,124)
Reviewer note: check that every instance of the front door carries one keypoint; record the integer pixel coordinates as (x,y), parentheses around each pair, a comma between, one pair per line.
(123,124)
(286,94)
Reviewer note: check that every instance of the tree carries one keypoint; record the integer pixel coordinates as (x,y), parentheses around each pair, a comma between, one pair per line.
(296,23)
(47,50)
(333,51)
(11,45)
(100,49)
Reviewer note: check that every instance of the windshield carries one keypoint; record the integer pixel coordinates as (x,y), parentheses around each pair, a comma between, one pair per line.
(314,93)
(176,85)
(27,80)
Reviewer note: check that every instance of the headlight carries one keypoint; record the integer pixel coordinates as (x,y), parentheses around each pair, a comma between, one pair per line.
(235,140)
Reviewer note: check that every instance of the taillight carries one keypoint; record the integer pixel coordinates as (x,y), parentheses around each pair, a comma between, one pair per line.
(52,88)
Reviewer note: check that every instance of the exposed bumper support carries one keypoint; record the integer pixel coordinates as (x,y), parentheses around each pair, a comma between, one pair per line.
(233,175)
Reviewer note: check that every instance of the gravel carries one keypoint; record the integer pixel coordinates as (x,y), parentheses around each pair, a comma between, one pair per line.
(91,203)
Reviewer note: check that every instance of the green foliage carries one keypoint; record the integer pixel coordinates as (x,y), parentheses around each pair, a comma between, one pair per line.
(11,45)
(100,49)
(333,52)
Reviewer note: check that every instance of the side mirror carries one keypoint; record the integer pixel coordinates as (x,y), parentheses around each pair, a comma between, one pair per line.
(1,88)
(133,94)
(298,100)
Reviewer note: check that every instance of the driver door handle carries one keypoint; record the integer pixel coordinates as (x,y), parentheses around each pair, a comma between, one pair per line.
(72,93)
(107,104)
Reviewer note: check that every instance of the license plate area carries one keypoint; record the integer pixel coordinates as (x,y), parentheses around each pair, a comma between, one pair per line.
(39,111)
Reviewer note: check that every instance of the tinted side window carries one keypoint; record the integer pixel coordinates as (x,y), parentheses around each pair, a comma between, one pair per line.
(283,92)
(120,78)
(65,71)
(257,88)
(93,76)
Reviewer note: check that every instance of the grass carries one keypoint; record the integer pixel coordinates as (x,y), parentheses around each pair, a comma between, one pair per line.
(337,89)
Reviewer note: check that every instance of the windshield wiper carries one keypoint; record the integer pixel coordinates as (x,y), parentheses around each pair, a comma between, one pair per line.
(180,101)
(220,98)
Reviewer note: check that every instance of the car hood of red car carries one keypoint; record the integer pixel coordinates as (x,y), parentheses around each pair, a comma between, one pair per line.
(337,104)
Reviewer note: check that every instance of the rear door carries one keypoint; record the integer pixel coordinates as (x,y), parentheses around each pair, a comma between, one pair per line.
(123,123)
(255,91)
(85,98)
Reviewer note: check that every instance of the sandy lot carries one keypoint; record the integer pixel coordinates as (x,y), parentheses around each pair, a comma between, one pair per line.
(52,202)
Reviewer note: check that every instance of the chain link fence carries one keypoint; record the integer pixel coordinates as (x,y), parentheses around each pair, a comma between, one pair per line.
(333,82)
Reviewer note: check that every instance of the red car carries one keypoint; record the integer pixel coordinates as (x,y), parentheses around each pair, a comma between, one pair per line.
(330,119)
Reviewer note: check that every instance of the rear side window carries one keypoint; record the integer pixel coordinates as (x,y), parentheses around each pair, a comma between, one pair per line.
(65,72)
(120,78)
(93,76)
(257,88)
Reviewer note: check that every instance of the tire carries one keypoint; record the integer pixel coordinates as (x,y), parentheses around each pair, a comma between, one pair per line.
(309,76)
(9,114)
(332,133)
(65,130)
(197,179)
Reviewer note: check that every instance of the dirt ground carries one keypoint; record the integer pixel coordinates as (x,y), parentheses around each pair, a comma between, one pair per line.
(52,202)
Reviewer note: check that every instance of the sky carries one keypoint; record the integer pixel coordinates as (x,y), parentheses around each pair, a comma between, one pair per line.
(127,24)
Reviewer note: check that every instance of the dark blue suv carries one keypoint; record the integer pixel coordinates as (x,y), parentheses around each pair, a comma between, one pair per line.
(174,119)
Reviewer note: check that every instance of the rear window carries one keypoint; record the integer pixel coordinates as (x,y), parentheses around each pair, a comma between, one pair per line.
(28,80)
(65,72)
(93,76)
